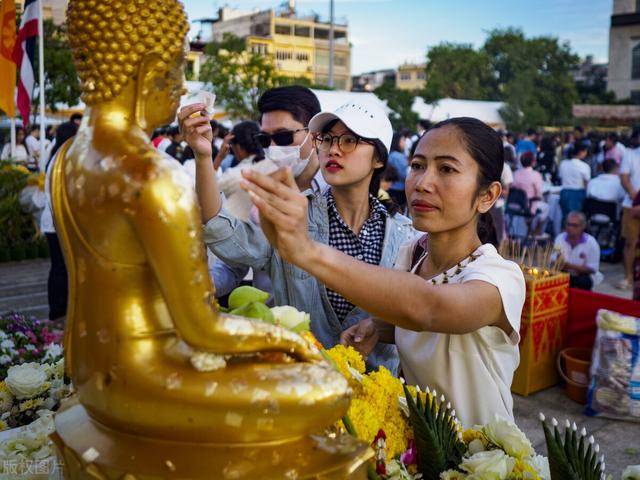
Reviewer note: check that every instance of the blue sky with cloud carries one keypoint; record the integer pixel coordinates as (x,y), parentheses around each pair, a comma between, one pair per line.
(385,33)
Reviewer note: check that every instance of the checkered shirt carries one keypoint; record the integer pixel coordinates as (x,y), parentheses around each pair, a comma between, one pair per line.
(367,246)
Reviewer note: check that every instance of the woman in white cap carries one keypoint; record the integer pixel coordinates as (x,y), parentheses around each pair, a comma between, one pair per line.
(353,146)
(453,304)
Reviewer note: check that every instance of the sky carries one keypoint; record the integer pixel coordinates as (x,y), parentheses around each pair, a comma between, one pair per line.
(386,33)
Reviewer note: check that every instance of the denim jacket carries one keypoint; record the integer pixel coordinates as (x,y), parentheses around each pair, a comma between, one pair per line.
(240,243)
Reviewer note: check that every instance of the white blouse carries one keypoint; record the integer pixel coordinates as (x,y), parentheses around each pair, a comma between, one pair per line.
(474,370)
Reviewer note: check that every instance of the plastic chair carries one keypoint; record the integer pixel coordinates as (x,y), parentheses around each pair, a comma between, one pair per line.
(603,223)
(518,206)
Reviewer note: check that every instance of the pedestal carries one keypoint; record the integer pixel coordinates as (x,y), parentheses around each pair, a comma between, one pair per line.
(89,450)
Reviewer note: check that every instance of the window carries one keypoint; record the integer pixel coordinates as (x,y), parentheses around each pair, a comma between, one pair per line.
(340,60)
(259,48)
(301,31)
(322,33)
(635,62)
(302,56)
(405,77)
(422,75)
(283,29)
(635,97)
(284,55)
(322,58)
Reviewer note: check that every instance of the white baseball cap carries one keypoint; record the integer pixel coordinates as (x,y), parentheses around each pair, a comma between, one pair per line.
(365,120)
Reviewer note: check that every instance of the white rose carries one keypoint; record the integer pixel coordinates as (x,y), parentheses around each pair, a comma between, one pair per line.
(541,465)
(632,472)
(509,437)
(26,380)
(491,465)
(291,318)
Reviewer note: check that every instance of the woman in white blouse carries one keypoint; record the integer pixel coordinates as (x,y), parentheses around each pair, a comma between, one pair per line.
(453,304)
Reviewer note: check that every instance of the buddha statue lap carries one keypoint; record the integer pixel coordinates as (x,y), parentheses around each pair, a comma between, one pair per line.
(141,302)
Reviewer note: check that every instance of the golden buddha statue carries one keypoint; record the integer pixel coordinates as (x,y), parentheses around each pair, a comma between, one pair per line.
(141,303)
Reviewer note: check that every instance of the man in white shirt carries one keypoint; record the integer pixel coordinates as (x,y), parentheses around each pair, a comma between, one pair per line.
(607,186)
(580,252)
(630,177)
(575,174)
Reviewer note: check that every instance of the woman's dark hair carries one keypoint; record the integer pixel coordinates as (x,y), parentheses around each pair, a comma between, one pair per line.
(527,158)
(64,132)
(244,135)
(381,154)
(24,139)
(395,142)
(484,145)
(299,101)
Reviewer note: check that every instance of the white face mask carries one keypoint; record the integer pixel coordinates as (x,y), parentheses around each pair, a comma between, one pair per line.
(289,156)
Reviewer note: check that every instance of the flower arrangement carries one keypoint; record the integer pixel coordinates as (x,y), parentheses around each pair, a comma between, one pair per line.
(25,339)
(30,388)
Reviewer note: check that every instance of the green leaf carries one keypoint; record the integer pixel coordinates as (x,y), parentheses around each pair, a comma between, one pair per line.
(438,446)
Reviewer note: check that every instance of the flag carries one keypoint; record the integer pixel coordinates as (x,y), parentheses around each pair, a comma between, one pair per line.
(7,65)
(23,55)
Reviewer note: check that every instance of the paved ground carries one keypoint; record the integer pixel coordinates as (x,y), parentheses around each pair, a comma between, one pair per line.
(23,287)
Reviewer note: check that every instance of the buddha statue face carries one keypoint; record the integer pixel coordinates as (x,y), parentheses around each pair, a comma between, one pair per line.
(132,48)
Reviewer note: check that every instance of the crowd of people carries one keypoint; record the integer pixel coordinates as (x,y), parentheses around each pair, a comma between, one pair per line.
(402,224)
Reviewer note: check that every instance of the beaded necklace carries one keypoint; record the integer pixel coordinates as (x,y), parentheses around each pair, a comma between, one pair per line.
(444,277)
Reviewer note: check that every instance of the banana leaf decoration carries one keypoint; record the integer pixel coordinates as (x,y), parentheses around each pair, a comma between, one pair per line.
(435,434)
(572,456)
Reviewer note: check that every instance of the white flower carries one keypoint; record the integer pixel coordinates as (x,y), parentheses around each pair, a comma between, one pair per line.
(541,465)
(491,465)
(476,446)
(4,359)
(58,368)
(632,472)
(452,475)
(291,318)
(509,437)
(30,348)
(26,380)
(8,344)
(53,351)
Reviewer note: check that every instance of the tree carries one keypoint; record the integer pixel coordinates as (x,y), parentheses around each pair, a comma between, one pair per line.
(238,76)
(458,71)
(401,102)
(60,78)
(533,77)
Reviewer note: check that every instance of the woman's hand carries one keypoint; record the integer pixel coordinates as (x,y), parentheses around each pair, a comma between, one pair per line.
(283,213)
(362,336)
(196,129)
(224,150)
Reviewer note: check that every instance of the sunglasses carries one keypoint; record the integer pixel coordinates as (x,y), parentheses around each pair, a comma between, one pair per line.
(283,138)
(347,142)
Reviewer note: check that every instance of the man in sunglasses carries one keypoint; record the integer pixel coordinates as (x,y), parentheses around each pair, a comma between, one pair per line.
(284,120)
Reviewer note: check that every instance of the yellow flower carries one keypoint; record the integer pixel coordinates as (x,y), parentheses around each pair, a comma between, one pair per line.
(3,425)
(345,357)
(31,403)
(470,434)
(3,387)
(523,471)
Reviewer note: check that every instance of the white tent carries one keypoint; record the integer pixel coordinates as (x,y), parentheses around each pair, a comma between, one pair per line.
(488,112)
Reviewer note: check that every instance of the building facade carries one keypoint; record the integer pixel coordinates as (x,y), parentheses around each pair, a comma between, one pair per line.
(298,45)
(624,50)
(411,76)
(51,9)
(369,81)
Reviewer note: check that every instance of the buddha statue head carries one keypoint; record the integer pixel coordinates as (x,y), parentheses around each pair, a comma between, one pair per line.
(130,51)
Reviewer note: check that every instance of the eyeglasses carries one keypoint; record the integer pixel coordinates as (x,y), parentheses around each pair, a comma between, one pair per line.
(347,142)
(282,139)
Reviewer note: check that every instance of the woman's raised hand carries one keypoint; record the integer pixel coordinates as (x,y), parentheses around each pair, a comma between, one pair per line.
(283,212)
(196,129)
